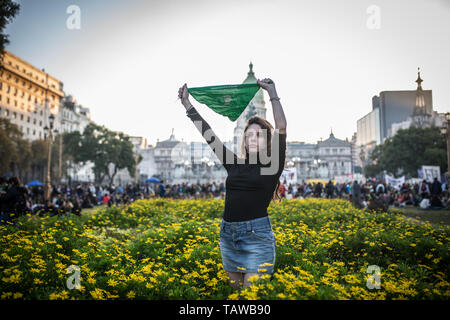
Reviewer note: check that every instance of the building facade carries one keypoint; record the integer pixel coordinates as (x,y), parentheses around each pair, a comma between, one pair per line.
(28,96)
(325,160)
(392,111)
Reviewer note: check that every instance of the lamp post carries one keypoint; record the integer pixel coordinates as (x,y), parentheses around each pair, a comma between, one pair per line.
(445,132)
(60,153)
(50,131)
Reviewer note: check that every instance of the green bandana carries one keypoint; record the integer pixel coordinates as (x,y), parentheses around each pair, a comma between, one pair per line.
(227,100)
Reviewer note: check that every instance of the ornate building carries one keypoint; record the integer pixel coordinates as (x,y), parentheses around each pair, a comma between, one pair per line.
(256,107)
(28,96)
(423,115)
(325,160)
(73,116)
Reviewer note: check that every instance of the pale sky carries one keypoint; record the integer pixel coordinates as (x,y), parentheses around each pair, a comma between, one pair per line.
(129,58)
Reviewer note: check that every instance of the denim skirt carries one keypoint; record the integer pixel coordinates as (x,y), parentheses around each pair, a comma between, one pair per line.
(247,246)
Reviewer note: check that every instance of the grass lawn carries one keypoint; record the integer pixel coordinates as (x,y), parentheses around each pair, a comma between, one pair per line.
(434,217)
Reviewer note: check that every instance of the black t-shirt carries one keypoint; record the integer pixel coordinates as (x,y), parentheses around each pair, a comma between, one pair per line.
(249,186)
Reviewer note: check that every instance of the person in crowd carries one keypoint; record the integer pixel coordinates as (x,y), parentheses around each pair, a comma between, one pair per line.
(356,194)
(424,189)
(436,187)
(329,190)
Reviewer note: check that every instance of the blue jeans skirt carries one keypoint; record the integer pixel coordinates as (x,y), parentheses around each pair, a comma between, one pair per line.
(248,246)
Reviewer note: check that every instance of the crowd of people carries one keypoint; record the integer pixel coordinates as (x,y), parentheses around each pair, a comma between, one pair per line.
(17,199)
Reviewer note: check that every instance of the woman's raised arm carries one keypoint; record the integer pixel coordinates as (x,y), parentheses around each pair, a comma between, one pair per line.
(278,113)
(225,155)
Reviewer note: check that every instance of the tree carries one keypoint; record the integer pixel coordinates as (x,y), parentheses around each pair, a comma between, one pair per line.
(121,156)
(108,150)
(39,150)
(8,10)
(14,150)
(408,150)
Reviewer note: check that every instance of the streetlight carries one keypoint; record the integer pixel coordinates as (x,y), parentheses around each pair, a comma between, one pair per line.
(445,132)
(50,131)
(60,151)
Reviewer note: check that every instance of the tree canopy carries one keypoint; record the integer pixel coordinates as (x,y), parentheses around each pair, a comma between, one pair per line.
(407,151)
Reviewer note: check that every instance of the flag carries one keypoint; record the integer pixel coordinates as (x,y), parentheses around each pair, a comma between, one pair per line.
(227,100)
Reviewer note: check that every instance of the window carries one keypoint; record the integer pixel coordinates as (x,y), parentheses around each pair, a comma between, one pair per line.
(14,115)
(21,117)
(28,119)
(34,121)
(15,103)
(7,100)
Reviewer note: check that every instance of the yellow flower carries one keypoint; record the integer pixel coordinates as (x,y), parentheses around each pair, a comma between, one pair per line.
(233,296)
(131,295)
(112,282)
(17,295)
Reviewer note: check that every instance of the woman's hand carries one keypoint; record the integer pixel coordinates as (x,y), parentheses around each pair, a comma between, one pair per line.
(183,94)
(268,85)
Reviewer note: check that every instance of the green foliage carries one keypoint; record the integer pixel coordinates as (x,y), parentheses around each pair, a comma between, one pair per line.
(170,249)
(408,150)
(8,10)
(103,148)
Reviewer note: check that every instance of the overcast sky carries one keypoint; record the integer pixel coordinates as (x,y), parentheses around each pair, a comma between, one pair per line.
(327,58)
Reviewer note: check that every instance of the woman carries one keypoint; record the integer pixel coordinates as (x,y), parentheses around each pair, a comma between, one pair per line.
(247,242)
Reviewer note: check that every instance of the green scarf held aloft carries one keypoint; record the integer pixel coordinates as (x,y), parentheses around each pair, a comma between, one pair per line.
(227,100)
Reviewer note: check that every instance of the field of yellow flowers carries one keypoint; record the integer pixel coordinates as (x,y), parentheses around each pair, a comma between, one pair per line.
(169,249)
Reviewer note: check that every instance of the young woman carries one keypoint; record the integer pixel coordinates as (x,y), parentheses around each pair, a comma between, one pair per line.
(247,242)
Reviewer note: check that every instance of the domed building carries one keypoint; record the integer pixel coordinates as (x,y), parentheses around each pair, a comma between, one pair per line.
(256,107)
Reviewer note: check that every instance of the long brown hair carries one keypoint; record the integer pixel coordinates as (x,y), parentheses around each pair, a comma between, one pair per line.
(264,124)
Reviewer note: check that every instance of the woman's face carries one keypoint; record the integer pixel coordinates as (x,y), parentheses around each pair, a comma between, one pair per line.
(255,138)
